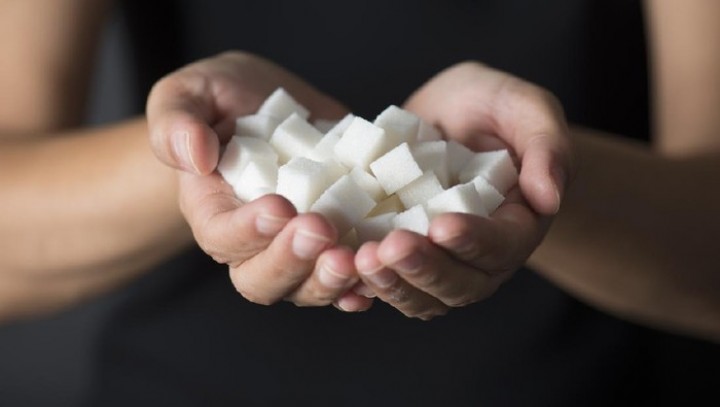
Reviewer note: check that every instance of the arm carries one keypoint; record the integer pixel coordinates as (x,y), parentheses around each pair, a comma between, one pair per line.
(83,210)
(638,238)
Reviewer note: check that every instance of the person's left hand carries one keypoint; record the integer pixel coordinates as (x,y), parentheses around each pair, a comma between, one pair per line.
(465,258)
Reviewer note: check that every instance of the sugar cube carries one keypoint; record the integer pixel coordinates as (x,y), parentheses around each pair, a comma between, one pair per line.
(341,126)
(400,125)
(344,204)
(361,143)
(294,137)
(302,181)
(240,151)
(496,167)
(369,183)
(258,178)
(490,197)
(461,198)
(396,168)
(415,219)
(324,125)
(256,125)
(420,190)
(457,156)
(432,156)
(281,105)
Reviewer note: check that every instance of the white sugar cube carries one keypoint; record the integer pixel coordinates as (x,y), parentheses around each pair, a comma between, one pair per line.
(388,205)
(344,204)
(432,156)
(324,150)
(415,219)
(495,166)
(258,178)
(294,137)
(302,181)
(375,228)
(461,198)
(256,125)
(368,183)
(420,190)
(240,151)
(281,105)
(361,143)
(428,132)
(490,197)
(396,168)
(457,156)
(400,125)
(341,126)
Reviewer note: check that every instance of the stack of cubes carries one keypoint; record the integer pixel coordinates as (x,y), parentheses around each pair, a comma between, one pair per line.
(366,178)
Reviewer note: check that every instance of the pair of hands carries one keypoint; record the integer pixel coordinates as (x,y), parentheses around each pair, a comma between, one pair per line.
(276,254)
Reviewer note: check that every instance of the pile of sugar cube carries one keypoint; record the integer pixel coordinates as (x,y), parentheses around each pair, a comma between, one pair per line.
(366,178)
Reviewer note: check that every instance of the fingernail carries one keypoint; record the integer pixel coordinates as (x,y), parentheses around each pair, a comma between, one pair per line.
(363,290)
(382,277)
(181,148)
(331,278)
(307,245)
(410,264)
(559,180)
(269,225)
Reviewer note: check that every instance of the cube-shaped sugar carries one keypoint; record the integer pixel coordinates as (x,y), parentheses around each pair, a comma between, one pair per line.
(375,228)
(302,181)
(432,156)
(428,132)
(388,205)
(256,125)
(294,137)
(461,198)
(496,167)
(457,157)
(369,183)
(240,151)
(341,126)
(344,204)
(400,125)
(415,219)
(490,197)
(281,105)
(396,168)
(361,144)
(420,190)
(324,150)
(258,178)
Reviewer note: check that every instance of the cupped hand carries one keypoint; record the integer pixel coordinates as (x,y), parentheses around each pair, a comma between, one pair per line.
(465,258)
(273,252)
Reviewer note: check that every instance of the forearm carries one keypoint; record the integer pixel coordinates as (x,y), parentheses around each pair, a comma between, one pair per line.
(637,235)
(84,210)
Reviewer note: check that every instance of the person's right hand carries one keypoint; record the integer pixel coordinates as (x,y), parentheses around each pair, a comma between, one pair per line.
(273,252)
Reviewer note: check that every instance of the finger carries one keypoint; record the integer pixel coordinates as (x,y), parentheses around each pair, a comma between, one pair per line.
(392,289)
(434,271)
(289,260)
(181,113)
(496,245)
(334,275)
(352,302)
(224,227)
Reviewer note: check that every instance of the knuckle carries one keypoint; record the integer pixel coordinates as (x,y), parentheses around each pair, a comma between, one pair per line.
(254,296)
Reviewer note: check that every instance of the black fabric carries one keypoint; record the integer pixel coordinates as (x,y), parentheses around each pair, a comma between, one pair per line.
(182,336)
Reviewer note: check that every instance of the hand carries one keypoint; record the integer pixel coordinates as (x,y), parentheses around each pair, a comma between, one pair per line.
(465,258)
(273,253)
